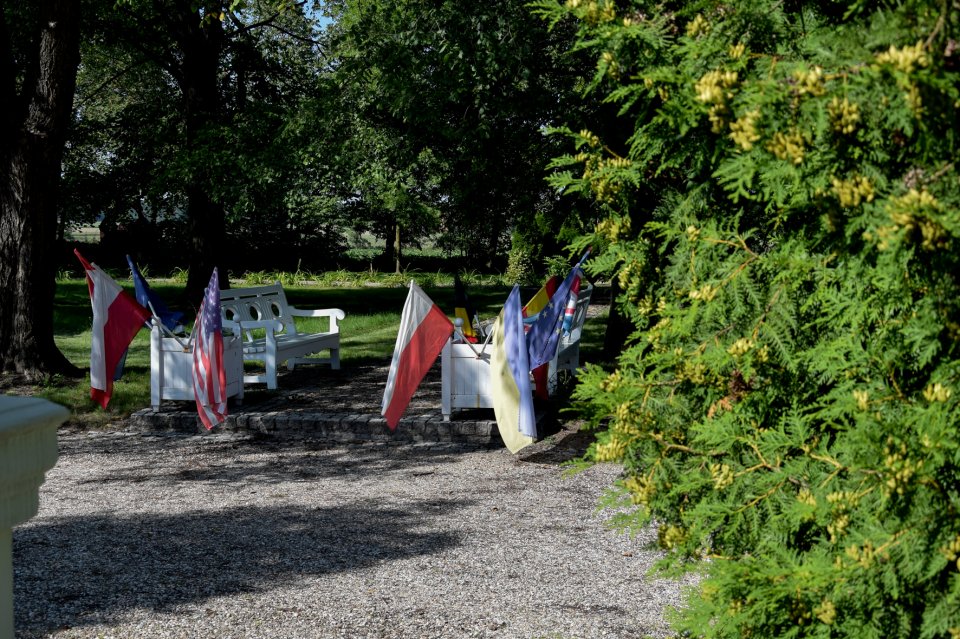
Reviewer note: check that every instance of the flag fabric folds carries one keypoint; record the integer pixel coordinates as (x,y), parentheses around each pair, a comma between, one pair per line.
(209,376)
(530,311)
(544,335)
(463,309)
(571,307)
(424,329)
(116,319)
(510,377)
(148,297)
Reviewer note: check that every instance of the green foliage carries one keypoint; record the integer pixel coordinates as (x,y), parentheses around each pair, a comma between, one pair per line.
(782,220)
(520,267)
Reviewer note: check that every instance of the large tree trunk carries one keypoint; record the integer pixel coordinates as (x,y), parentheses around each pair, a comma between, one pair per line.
(201,42)
(34,132)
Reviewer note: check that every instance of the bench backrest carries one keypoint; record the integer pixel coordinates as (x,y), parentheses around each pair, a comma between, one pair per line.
(579,316)
(257,303)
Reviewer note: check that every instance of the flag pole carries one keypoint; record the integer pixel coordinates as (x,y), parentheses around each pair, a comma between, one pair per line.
(166,330)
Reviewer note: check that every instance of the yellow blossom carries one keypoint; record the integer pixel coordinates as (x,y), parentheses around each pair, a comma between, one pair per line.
(936,393)
(844,115)
(698,26)
(904,59)
(744,130)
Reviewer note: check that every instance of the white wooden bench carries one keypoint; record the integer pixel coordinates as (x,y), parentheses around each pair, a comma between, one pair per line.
(265,309)
(171,366)
(465,368)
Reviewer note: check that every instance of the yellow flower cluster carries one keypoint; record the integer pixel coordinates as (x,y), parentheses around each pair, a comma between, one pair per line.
(844,115)
(837,528)
(911,212)
(713,87)
(787,146)
(863,555)
(914,101)
(590,138)
(706,293)
(741,347)
(629,277)
(804,496)
(610,451)
(613,381)
(722,475)
(641,489)
(863,399)
(609,62)
(595,12)
(853,191)
(695,372)
(810,81)
(952,551)
(905,59)
(744,130)
(900,468)
(936,393)
(826,612)
(736,51)
(670,536)
(698,26)
(614,228)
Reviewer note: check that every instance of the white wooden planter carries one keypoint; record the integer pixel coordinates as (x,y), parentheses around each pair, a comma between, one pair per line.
(465,377)
(28,449)
(465,368)
(171,368)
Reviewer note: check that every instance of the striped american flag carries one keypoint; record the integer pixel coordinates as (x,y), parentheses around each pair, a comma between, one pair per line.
(209,377)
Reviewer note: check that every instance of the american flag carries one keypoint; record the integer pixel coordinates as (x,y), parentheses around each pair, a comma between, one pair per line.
(209,378)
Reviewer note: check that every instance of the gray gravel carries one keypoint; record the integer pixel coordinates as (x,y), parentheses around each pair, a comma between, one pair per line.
(223,536)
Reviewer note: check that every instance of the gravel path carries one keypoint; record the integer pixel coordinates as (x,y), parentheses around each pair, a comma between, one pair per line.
(217,536)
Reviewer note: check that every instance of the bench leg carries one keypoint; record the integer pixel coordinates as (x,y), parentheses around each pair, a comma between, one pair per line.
(270,363)
(335,359)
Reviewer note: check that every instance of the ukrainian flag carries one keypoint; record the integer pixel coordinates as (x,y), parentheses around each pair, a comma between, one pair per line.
(510,377)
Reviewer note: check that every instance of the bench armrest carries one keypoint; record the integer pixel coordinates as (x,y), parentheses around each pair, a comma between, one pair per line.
(333,313)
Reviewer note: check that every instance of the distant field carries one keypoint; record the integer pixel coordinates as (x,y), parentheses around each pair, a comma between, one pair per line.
(89,234)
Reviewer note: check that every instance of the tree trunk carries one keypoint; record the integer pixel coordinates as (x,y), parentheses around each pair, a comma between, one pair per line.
(32,149)
(201,42)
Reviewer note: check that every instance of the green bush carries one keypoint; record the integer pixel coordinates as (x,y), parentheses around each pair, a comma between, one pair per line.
(783,222)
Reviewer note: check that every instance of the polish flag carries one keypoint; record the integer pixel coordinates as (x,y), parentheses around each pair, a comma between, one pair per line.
(424,329)
(116,319)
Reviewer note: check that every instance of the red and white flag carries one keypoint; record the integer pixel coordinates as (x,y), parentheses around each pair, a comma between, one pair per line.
(424,329)
(209,376)
(116,319)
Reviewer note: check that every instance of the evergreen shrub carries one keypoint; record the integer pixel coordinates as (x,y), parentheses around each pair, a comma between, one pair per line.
(784,226)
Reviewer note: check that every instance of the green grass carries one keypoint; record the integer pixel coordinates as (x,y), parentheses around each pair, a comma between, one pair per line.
(368,334)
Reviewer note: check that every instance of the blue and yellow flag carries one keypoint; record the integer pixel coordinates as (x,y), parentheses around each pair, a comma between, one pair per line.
(510,377)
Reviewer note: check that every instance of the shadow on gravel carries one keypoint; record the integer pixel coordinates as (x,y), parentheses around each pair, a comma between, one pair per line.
(78,571)
(265,460)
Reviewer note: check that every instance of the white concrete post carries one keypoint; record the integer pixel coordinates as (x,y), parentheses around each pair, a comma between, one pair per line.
(28,449)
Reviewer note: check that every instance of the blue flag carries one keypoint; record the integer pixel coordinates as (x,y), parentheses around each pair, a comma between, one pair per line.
(147,297)
(544,335)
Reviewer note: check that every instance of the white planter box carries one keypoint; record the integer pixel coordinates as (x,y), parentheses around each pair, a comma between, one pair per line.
(465,377)
(171,368)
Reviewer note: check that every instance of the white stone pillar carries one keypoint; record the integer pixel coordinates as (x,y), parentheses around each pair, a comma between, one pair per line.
(28,449)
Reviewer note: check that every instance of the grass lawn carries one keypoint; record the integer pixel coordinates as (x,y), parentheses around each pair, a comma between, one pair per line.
(368,334)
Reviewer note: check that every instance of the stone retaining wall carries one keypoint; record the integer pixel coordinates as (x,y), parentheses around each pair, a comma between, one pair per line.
(340,428)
